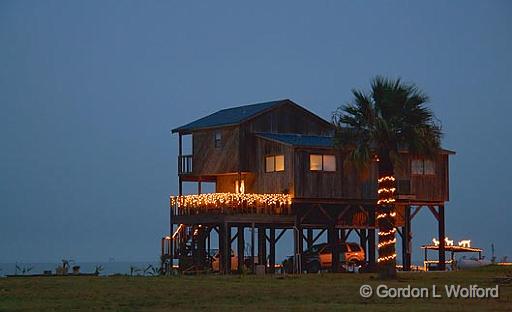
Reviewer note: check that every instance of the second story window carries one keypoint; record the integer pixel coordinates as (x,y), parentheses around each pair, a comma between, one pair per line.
(218,139)
(274,163)
(423,167)
(319,162)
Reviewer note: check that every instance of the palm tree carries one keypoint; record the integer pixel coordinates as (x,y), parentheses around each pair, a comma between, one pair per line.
(393,116)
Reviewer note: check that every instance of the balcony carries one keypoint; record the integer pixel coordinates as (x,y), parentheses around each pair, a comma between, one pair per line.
(231,203)
(185,164)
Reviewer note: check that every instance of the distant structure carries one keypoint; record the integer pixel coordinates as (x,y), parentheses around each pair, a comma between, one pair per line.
(275,168)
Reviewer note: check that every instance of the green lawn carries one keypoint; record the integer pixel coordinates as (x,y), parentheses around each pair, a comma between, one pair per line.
(307,292)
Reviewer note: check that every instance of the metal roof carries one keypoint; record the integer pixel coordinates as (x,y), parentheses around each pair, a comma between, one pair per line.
(229,116)
(299,139)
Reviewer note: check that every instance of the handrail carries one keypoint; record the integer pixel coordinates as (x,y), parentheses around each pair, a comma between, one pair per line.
(184,164)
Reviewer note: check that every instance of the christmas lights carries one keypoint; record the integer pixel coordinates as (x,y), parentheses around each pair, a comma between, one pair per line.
(385,219)
(389,242)
(177,231)
(465,243)
(210,202)
(447,242)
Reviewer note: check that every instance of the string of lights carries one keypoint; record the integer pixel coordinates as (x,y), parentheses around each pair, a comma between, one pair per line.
(210,201)
(385,219)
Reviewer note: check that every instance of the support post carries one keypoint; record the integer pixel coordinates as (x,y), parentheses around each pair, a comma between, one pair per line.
(363,241)
(241,245)
(180,153)
(333,241)
(442,256)
(222,248)
(201,247)
(262,246)
(343,236)
(253,265)
(406,240)
(371,239)
(272,255)
(309,238)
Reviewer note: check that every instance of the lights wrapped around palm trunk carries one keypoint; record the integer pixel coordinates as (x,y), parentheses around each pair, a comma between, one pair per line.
(385,218)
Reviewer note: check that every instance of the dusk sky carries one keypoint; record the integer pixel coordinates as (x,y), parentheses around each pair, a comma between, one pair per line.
(89,91)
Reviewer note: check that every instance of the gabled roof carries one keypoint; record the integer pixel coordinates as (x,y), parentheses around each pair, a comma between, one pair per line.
(299,139)
(229,116)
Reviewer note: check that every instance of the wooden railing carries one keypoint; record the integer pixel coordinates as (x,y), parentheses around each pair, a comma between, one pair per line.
(184,164)
(231,203)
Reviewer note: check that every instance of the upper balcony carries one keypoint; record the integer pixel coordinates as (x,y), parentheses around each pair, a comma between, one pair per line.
(184,164)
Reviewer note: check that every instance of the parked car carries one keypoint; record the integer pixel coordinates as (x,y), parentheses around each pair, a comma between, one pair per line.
(319,257)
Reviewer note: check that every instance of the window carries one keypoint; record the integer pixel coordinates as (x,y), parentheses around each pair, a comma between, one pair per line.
(279,165)
(329,162)
(218,139)
(423,166)
(315,162)
(274,163)
(417,166)
(429,167)
(322,162)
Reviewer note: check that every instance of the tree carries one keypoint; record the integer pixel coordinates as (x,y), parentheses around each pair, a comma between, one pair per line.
(375,126)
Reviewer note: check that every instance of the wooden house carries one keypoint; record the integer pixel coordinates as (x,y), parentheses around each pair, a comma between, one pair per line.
(280,147)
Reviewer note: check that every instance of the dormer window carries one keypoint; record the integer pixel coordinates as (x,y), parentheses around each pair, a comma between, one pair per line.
(218,139)
(274,163)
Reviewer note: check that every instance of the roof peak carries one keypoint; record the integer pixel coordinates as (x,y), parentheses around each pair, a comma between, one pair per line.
(231,116)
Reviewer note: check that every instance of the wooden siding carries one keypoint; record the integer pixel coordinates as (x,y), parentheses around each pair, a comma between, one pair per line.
(287,118)
(432,187)
(345,183)
(272,182)
(210,160)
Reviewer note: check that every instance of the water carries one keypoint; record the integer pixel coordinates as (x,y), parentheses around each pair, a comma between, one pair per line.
(109,268)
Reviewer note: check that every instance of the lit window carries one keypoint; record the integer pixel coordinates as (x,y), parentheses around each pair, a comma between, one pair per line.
(315,162)
(329,163)
(279,165)
(274,163)
(322,162)
(218,139)
(269,164)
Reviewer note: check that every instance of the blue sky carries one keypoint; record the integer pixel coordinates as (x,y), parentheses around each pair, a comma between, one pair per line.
(90,89)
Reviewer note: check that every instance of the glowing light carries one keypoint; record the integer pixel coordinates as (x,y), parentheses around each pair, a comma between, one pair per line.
(234,201)
(465,243)
(388,242)
(386,178)
(385,217)
(393,231)
(177,231)
(447,242)
(387,258)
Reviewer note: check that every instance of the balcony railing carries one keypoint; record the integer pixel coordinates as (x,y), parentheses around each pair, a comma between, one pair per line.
(231,203)
(184,164)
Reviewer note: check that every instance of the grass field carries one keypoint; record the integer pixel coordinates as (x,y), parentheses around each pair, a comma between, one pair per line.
(337,292)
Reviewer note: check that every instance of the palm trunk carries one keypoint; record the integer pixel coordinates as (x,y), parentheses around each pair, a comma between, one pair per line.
(386,217)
